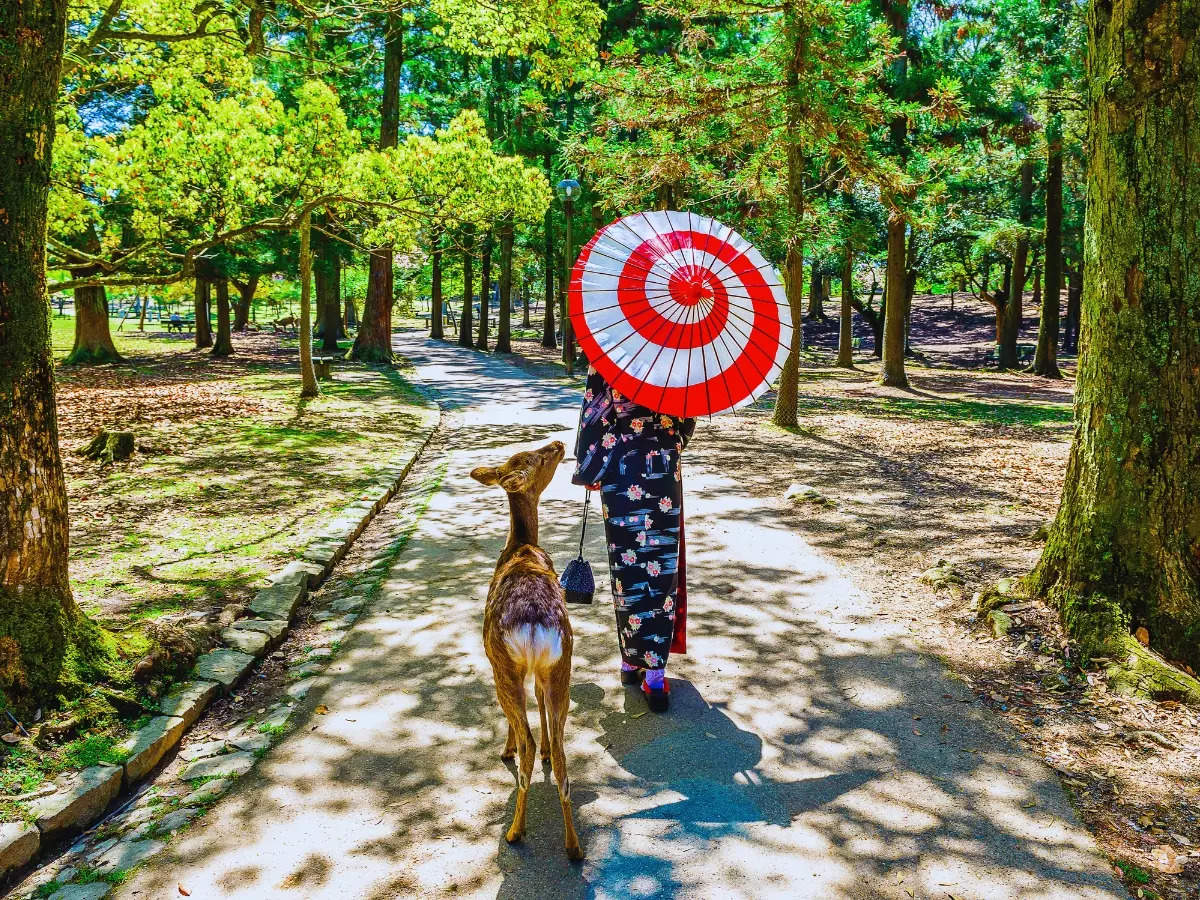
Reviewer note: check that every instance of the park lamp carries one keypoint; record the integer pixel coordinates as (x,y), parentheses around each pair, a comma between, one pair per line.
(568,188)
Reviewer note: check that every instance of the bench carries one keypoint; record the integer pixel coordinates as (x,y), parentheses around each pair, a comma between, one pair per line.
(321,365)
(179,325)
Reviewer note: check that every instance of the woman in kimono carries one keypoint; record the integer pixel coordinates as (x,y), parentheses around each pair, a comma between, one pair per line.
(632,456)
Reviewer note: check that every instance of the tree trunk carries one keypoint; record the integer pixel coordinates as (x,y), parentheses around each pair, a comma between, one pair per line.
(504,337)
(895,315)
(39,622)
(1124,551)
(93,338)
(816,306)
(224,343)
(373,343)
(845,356)
(1008,357)
(327,286)
(1045,360)
(549,338)
(1074,301)
(465,320)
(241,309)
(204,338)
(485,290)
(787,399)
(526,295)
(308,376)
(436,327)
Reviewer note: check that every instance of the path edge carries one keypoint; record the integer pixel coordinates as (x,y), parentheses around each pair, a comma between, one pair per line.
(89,795)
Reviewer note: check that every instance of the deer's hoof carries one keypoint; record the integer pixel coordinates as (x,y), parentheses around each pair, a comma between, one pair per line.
(513,835)
(574,852)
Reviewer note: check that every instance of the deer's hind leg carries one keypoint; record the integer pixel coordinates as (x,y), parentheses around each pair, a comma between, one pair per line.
(557,692)
(510,691)
(544,734)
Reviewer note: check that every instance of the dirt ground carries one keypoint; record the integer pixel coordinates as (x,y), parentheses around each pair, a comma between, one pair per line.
(964,469)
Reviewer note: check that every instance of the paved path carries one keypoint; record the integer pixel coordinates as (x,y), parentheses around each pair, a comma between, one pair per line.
(809,751)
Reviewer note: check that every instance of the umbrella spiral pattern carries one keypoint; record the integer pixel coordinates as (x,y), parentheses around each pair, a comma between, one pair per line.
(679,313)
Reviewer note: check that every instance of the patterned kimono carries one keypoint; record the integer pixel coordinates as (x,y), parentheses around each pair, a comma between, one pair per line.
(633,454)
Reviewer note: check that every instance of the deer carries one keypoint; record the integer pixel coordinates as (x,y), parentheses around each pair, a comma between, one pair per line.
(526,631)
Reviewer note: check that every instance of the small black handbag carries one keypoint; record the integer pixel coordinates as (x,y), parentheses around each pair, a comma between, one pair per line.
(576,579)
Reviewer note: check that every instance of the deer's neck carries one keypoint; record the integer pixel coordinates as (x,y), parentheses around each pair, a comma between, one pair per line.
(522,523)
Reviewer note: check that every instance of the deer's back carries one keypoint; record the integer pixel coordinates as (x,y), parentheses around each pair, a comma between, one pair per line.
(525,597)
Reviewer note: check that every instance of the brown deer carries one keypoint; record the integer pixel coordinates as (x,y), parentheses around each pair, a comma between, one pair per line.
(526,631)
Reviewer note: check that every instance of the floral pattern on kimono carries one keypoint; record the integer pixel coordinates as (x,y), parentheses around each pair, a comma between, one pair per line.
(633,454)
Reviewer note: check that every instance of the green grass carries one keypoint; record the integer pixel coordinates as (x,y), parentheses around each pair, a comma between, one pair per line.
(212,507)
(973,412)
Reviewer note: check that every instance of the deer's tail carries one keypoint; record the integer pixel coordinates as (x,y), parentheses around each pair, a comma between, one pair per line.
(534,647)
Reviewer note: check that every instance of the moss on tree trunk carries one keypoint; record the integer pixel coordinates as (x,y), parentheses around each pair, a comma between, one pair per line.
(1125,548)
(46,641)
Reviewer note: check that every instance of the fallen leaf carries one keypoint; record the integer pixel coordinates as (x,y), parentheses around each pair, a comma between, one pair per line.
(322,710)
(1166,860)
(184,890)
(10,738)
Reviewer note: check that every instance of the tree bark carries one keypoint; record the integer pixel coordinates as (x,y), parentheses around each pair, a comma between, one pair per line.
(816,306)
(845,356)
(224,342)
(465,320)
(485,290)
(328,289)
(93,337)
(1045,360)
(373,343)
(1074,301)
(436,326)
(204,338)
(1124,551)
(787,398)
(1008,357)
(39,621)
(504,336)
(895,315)
(308,375)
(241,309)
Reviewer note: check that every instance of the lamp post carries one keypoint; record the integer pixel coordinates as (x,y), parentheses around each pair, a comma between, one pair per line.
(568,189)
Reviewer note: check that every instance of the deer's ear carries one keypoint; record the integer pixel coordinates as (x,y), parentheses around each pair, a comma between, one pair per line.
(515,482)
(486,475)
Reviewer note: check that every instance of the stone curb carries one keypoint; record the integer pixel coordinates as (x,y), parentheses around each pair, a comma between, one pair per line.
(88,794)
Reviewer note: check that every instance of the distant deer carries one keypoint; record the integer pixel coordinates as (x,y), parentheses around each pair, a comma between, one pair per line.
(526,630)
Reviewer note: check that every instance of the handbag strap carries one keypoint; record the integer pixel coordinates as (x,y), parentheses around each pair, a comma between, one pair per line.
(587,496)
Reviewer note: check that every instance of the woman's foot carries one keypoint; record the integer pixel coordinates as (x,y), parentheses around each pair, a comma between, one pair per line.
(630,674)
(657,690)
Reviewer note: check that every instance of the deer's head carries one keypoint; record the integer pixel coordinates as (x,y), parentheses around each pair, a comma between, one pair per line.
(526,473)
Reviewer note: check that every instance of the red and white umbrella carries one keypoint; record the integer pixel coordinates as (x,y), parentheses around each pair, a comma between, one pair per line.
(679,313)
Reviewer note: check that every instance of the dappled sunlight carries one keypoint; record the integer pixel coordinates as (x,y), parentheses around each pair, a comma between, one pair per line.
(810,751)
